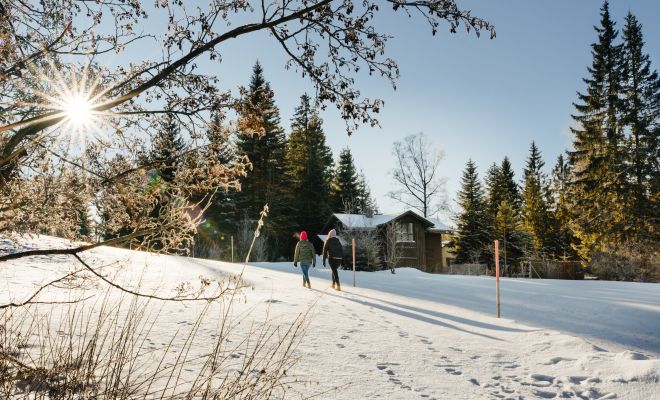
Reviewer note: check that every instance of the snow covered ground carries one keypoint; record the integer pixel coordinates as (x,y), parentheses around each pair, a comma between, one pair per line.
(413,335)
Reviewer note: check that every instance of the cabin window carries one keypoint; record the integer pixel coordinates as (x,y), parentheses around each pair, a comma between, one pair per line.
(405,232)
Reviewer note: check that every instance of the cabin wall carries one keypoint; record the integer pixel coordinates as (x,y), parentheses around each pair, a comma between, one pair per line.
(413,253)
(434,252)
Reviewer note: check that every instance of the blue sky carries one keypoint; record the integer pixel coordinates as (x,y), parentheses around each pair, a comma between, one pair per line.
(475,98)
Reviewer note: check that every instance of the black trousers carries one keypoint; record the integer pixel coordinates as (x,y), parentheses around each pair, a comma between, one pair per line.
(334,265)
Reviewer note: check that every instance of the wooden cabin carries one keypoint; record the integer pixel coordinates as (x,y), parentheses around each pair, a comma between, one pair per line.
(419,240)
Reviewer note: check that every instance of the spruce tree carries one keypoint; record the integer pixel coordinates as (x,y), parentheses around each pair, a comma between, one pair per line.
(166,157)
(598,156)
(472,237)
(346,184)
(262,140)
(501,185)
(641,115)
(492,194)
(166,149)
(504,211)
(366,204)
(515,241)
(507,184)
(561,207)
(213,239)
(535,207)
(309,167)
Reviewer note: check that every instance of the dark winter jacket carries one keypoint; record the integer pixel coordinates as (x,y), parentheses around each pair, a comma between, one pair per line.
(332,249)
(305,253)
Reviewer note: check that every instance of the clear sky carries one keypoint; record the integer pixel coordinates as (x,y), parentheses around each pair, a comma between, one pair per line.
(476,98)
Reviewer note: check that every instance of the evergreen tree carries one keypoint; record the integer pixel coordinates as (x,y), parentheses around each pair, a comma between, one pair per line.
(507,185)
(641,115)
(504,211)
(501,185)
(346,183)
(515,241)
(166,149)
(564,238)
(262,140)
(309,166)
(598,156)
(166,156)
(472,238)
(492,194)
(366,204)
(213,239)
(535,207)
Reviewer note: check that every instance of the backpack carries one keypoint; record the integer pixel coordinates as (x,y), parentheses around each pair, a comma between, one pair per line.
(334,248)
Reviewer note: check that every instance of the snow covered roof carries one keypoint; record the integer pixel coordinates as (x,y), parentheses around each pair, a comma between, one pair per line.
(361,221)
(438,225)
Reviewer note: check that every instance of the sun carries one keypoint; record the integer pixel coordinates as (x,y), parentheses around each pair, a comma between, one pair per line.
(73,103)
(78,110)
(76,101)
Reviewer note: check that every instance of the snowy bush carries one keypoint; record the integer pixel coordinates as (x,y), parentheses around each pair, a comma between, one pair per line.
(632,261)
(367,250)
(100,345)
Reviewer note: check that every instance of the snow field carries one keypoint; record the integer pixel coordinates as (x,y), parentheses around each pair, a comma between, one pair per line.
(410,335)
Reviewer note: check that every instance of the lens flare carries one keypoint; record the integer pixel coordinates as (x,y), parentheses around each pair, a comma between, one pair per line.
(74,96)
(78,110)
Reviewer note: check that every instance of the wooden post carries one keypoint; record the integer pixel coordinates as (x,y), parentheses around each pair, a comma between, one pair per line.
(497,276)
(353,262)
(232,248)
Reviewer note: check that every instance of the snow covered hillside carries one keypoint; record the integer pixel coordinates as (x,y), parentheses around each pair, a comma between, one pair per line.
(413,335)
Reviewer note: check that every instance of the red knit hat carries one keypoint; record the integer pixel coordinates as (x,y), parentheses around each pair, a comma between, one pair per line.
(303,235)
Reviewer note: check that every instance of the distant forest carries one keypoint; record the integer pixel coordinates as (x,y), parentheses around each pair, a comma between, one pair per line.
(600,205)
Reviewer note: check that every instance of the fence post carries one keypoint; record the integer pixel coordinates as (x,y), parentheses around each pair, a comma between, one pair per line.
(232,248)
(353,262)
(497,276)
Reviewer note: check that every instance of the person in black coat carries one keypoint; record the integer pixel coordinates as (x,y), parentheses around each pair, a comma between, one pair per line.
(333,251)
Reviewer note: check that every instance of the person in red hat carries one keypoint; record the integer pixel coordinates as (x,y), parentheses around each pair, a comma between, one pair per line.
(306,255)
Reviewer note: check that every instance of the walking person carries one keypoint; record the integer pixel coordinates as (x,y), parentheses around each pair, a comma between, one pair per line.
(334,253)
(306,254)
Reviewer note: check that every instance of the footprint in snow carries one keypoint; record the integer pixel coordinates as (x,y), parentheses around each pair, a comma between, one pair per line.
(557,360)
(341,346)
(577,380)
(594,393)
(545,395)
(382,366)
(542,380)
(453,371)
